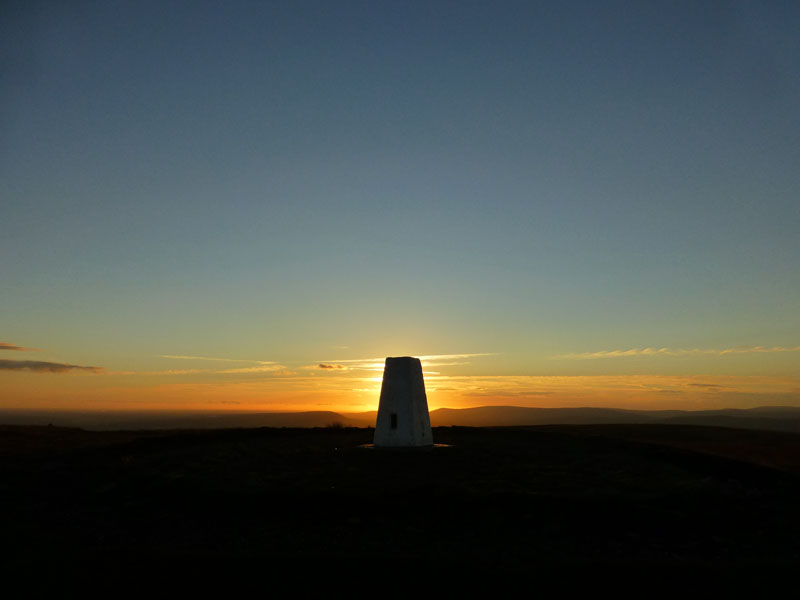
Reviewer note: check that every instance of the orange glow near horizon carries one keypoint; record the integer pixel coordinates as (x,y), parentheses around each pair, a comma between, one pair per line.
(349,391)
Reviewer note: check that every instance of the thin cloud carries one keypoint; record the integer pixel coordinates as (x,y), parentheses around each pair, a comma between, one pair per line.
(507,394)
(275,369)
(165,372)
(377,364)
(759,349)
(264,368)
(5,346)
(710,386)
(37,366)
(331,366)
(242,360)
(437,357)
(678,352)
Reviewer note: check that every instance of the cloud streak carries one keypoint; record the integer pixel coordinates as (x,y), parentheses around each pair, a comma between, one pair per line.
(377,364)
(263,368)
(678,352)
(240,360)
(5,346)
(37,366)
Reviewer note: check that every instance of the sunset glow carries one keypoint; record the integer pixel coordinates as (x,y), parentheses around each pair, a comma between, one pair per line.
(250,208)
(355,389)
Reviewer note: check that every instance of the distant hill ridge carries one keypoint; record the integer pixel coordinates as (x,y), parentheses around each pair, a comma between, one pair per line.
(778,418)
(775,418)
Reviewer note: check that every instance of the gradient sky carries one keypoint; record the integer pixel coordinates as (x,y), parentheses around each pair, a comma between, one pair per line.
(555,203)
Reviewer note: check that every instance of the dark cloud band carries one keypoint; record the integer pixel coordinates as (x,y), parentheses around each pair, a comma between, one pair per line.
(44,367)
(5,346)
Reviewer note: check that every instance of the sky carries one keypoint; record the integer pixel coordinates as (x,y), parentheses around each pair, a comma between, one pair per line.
(249,205)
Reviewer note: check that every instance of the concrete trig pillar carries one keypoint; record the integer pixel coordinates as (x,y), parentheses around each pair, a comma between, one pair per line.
(403,419)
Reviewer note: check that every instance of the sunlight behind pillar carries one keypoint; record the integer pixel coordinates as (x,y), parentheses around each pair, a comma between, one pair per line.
(403,419)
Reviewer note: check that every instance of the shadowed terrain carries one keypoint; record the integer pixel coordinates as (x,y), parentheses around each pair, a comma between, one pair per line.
(774,418)
(500,499)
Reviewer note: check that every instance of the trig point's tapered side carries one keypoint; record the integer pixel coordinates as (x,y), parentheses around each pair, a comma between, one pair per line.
(403,419)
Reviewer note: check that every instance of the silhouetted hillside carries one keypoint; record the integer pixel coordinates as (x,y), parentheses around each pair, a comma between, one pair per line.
(500,416)
(111,420)
(782,418)
(775,418)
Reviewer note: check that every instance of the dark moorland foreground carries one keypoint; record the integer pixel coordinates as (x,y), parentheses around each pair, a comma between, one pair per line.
(501,500)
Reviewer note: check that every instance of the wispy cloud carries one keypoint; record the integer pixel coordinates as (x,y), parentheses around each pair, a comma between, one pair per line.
(707,386)
(275,369)
(239,360)
(44,367)
(164,372)
(5,346)
(263,368)
(331,366)
(438,357)
(678,352)
(377,364)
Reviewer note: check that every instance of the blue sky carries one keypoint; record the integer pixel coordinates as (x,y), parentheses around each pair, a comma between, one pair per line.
(299,181)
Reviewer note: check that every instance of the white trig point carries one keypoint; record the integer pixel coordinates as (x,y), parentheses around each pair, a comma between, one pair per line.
(403,419)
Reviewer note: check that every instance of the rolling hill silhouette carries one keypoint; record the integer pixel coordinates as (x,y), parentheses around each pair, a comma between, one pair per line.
(772,418)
